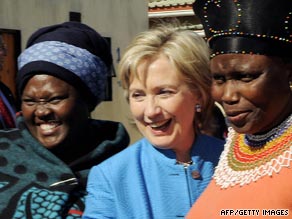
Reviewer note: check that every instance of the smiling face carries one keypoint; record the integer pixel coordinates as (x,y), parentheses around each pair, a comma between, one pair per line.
(162,105)
(253,89)
(53,111)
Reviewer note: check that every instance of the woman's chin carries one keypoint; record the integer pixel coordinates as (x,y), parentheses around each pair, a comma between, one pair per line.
(50,142)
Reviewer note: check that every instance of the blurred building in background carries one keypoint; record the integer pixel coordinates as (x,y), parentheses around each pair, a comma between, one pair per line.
(169,10)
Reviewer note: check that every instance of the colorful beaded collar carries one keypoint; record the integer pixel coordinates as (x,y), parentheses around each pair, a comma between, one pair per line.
(246,158)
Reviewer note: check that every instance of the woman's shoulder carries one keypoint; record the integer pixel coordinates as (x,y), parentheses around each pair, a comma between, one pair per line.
(211,141)
(110,129)
(209,147)
(130,154)
(10,134)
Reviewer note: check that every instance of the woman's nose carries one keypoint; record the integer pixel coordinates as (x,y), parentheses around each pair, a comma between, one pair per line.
(152,108)
(42,109)
(230,92)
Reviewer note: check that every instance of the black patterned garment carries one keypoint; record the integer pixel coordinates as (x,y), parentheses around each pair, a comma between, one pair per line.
(34,183)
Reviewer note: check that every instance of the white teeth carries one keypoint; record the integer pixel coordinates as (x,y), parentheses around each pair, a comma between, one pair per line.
(47,126)
(158,124)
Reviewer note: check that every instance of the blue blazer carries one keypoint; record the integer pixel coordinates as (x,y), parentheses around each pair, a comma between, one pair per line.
(144,182)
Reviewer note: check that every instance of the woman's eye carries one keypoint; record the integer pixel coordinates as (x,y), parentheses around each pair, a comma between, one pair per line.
(56,100)
(166,92)
(219,79)
(29,102)
(137,95)
(247,77)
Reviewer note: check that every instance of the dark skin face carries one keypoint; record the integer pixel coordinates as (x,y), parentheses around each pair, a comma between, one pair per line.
(253,90)
(54,112)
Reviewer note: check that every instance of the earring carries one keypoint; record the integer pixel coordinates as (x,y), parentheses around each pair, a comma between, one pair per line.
(198,108)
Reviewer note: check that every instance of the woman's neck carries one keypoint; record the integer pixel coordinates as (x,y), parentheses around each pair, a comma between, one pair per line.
(77,146)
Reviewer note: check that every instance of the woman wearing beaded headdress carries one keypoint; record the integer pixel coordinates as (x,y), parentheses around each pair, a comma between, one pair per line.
(251,64)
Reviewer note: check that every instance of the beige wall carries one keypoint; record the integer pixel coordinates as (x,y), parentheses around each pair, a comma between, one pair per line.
(120,20)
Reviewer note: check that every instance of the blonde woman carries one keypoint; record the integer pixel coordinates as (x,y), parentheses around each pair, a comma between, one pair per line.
(165,75)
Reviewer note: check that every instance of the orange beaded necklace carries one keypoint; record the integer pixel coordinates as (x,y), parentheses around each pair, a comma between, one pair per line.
(246,158)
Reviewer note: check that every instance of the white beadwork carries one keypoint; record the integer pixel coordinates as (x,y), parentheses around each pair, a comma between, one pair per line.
(225,176)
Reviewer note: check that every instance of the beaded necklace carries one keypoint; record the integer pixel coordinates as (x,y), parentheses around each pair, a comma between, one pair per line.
(246,158)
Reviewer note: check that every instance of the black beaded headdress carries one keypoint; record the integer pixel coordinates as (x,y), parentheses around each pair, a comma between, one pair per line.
(247,26)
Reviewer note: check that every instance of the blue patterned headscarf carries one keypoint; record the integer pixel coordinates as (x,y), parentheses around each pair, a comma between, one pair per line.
(65,52)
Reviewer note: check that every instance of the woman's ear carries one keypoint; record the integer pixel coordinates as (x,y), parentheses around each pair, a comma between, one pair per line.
(287,69)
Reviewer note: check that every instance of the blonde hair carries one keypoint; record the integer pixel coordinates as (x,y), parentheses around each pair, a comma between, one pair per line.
(186,50)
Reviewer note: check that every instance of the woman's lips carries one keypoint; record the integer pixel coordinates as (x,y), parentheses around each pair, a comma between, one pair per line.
(158,128)
(159,125)
(48,128)
(237,118)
